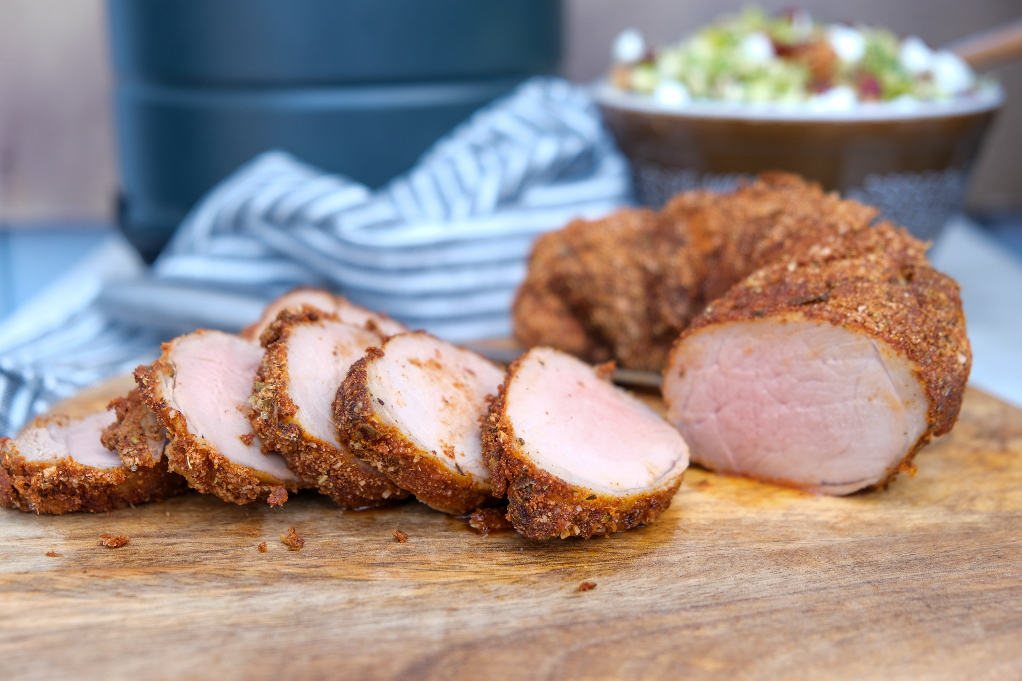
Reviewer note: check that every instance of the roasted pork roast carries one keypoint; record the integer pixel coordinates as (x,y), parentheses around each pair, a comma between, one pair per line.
(198,390)
(576,455)
(58,464)
(308,354)
(412,409)
(817,346)
(826,376)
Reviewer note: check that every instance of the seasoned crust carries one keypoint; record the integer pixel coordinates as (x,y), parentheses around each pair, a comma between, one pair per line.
(379,320)
(386,448)
(274,417)
(136,436)
(544,506)
(890,296)
(624,287)
(205,469)
(65,485)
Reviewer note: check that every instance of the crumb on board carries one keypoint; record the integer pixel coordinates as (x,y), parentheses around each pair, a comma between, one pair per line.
(400,537)
(278,495)
(587,586)
(113,541)
(487,520)
(262,547)
(52,554)
(292,540)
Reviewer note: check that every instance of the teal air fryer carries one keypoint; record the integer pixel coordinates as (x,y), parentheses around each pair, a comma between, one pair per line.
(357,87)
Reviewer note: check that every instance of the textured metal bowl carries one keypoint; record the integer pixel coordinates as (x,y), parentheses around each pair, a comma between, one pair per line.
(913,163)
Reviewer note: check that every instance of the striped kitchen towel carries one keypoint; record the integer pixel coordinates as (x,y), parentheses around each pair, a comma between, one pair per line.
(442,247)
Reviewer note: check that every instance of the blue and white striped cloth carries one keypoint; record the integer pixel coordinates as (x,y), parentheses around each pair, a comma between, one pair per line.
(442,247)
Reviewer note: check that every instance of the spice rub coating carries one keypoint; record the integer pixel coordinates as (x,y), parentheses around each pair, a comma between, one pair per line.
(626,286)
(193,455)
(136,436)
(320,459)
(543,505)
(326,301)
(63,484)
(412,410)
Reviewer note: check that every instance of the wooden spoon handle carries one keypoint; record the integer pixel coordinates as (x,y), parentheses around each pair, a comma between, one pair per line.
(991,47)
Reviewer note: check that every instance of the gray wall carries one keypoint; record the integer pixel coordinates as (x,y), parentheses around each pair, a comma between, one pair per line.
(56,142)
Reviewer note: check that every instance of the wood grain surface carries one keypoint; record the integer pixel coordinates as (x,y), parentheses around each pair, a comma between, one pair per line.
(739,580)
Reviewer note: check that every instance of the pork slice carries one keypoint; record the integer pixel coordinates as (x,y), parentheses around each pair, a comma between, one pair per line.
(308,354)
(412,409)
(576,455)
(328,302)
(59,464)
(828,377)
(199,390)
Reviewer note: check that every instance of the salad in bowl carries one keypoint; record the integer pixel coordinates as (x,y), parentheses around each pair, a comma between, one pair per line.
(793,62)
(881,118)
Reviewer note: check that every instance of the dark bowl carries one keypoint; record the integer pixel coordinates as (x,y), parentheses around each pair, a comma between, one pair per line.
(913,162)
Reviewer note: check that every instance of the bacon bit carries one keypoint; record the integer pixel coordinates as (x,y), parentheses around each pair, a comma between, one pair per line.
(113,541)
(247,438)
(52,554)
(400,537)
(262,547)
(292,540)
(278,495)
(487,520)
(869,88)
(586,586)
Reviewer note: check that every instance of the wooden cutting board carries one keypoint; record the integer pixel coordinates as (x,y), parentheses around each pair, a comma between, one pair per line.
(739,580)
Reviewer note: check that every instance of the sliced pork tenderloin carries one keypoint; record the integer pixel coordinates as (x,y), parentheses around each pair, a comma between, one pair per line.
(328,302)
(136,434)
(575,455)
(412,409)
(826,376)
(59,464)
(198,390)
(308,354)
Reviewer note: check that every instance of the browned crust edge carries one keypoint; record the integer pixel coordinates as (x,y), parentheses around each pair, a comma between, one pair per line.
(249,332)
(274,417)
(65,485)
(205,469)
(544,506)
(133,431)
(386,448)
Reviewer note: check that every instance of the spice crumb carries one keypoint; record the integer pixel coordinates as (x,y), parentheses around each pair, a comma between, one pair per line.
(278,495)
(587,586)
(113,541)
(292,540)
(262,547)
(52,554)
(400,537)
(488,520)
